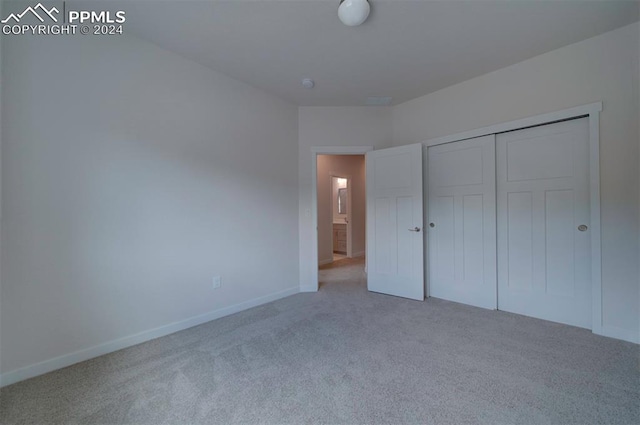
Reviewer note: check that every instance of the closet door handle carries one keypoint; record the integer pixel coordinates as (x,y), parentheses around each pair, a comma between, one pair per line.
(415,229)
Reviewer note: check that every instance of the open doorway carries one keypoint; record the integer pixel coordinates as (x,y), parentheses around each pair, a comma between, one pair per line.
(341,206)
(309,272)
(341,225)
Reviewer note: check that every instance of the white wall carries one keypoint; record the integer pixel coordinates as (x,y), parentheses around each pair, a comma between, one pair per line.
(331,126)
(343,165)
(1,131)
(131,176)
(602,68)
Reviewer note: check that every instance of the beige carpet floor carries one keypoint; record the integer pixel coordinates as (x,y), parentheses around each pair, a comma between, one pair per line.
(347,356)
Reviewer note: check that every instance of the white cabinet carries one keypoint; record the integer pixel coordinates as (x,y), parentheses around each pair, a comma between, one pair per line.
(340,238)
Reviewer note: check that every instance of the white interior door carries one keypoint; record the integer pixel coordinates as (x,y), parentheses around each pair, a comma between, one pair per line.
(543,222)
(395,262)
(462,222)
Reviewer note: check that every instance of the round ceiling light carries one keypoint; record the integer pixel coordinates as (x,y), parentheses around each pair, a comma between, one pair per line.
(353,12)
(308,83)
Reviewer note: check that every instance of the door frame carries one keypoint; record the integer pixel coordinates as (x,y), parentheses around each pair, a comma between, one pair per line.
(315,151)
(591,111)
(332,175)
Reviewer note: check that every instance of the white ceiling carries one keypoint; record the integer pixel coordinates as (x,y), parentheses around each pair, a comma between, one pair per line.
(406,49)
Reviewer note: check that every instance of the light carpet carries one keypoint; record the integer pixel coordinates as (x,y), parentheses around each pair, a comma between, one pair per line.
(347,356)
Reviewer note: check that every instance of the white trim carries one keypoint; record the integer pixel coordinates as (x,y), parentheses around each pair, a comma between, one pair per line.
(50,365)
(578,111)
(596,247)
(592,111)
(340,150)
(619,333)
(315,151)
(358,254)
(349,216)
(2,117)
(325,261)
(425,221)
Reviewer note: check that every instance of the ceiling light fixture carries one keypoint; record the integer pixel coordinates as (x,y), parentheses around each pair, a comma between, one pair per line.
(308,83)
(353,12)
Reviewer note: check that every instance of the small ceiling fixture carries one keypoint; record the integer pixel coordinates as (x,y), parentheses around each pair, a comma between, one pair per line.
(353,12)
(308,83)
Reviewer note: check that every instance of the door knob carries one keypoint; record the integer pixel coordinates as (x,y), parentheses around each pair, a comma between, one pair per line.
(583,227)
(415,229)
(432,225)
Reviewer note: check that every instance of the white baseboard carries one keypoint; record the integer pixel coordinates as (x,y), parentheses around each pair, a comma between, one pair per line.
(619,333)
(65,360)
(323,262)
(357,254)
(308,288)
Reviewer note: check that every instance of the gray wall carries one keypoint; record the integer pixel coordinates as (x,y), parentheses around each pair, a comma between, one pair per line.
(131,176)
(602,68)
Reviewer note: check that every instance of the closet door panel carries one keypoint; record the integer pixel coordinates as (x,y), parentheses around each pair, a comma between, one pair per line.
(462,218)
(543,222)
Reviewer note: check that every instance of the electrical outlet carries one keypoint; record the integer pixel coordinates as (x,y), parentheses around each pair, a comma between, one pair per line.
(217,282)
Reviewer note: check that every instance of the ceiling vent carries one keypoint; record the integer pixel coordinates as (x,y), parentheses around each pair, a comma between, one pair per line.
(378,101)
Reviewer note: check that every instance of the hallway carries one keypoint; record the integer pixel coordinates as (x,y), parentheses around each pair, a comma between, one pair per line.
(346,272)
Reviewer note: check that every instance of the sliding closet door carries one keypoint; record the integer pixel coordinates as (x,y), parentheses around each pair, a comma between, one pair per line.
(462,221)
(543,222)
